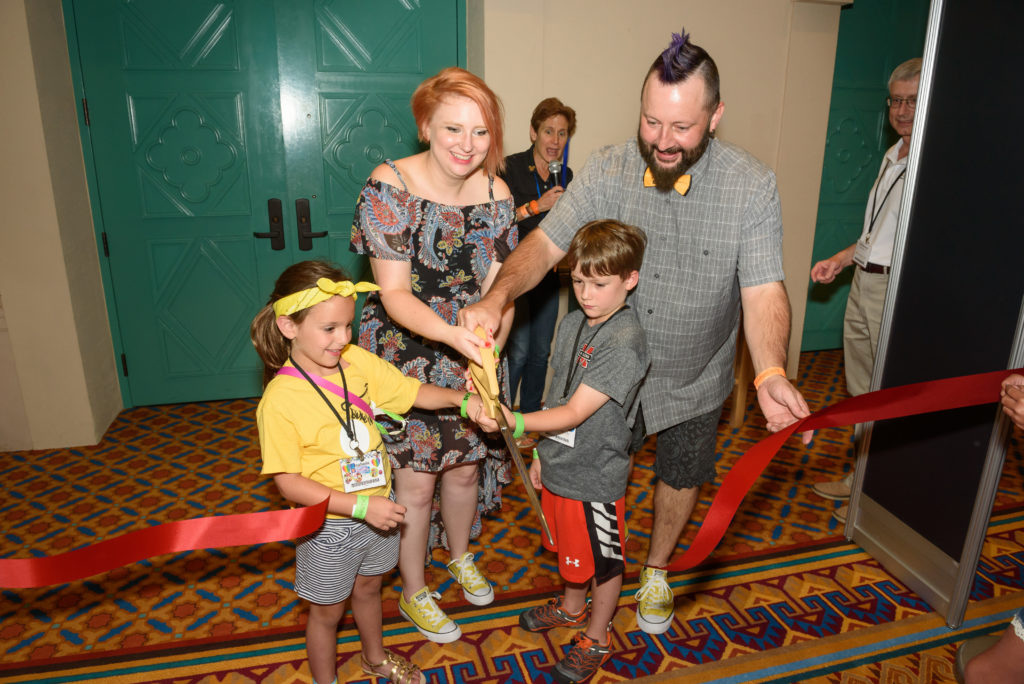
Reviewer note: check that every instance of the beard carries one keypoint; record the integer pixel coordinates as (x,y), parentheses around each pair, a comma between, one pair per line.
(665,178)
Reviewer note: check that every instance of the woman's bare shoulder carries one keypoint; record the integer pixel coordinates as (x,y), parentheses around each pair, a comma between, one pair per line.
(385,174)
(501,191)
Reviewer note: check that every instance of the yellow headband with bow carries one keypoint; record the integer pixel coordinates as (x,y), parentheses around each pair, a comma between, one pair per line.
(324,290)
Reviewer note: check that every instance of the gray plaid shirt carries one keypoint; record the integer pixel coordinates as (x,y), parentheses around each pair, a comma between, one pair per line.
(726,233)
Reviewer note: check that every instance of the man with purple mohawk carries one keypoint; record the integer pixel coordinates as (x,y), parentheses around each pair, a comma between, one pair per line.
(711,212)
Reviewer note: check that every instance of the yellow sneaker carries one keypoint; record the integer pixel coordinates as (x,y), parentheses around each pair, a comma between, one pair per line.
(475,586)
(655,603)
(423,612)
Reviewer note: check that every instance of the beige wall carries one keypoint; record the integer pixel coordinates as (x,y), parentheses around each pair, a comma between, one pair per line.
(57,357)
(58,377)
(775,58)
(810,60)
(14,432)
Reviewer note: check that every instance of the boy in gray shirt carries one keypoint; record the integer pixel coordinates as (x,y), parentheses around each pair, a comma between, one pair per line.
(599,361)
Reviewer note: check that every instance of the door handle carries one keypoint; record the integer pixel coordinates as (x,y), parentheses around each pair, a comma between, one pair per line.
(276,232)
(302,221)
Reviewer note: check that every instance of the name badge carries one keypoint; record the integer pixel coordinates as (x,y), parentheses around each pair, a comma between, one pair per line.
(360,469)
(363,471)
(861,253)
(568,438)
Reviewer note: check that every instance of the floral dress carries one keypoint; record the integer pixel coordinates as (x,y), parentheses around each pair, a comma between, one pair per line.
(450,250)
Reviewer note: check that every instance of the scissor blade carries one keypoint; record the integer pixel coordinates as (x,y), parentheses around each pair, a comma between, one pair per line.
(524,472)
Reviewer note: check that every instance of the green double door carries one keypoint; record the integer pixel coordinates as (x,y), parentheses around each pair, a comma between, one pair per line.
(226,141)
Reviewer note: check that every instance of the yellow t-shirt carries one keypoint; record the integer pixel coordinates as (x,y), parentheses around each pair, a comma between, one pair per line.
(300,434)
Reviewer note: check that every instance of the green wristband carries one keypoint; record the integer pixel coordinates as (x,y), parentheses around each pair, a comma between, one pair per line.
(465,403)
(362,503)
(393,416)
(520,425)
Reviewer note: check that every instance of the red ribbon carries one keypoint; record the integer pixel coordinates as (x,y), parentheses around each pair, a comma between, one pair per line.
(244,529)
(259,528)
(893,402)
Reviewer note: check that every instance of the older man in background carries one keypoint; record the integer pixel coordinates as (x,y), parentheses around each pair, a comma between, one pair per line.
(872,255)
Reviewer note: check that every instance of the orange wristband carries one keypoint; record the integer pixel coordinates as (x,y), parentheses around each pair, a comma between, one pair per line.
(767,373)
(534,208)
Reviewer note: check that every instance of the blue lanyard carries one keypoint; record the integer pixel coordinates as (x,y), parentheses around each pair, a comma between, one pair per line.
(536,181)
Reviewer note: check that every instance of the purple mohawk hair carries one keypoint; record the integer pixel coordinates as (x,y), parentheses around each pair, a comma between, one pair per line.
(680,60)
(677,63)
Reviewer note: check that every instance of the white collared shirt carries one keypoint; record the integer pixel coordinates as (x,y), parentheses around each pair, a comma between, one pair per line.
(885,210)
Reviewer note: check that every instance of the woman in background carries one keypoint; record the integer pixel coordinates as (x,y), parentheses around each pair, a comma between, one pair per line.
(537,177)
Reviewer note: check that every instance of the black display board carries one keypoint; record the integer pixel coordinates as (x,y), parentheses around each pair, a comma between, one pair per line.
(961,277)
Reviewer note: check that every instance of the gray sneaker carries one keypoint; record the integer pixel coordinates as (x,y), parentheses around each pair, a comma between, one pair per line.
(551,614)
(584,659)
(835,491)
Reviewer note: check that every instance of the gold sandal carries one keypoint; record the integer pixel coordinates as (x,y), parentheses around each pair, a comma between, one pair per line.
(402,671)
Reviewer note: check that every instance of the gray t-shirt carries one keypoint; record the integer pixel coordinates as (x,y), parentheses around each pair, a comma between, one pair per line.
(724,234)
(612,359)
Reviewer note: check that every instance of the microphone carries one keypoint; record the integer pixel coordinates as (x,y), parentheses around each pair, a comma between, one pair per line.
(554,166)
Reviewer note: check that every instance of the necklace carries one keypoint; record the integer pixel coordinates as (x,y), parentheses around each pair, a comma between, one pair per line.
(348,423)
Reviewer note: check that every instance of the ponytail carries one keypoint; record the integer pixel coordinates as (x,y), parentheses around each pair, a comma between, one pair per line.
(270,344)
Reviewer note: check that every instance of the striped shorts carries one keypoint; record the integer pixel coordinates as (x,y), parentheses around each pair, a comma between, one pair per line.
(327,561)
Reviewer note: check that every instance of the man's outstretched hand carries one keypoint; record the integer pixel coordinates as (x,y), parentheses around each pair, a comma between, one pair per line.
(782,404)
(484,314)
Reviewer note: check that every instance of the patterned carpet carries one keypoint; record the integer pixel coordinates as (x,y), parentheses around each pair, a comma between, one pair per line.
(783,599)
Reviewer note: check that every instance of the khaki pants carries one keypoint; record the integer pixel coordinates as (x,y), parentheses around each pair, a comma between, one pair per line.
(861,326)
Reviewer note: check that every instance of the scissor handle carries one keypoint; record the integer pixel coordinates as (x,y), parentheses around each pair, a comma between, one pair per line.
(485,377)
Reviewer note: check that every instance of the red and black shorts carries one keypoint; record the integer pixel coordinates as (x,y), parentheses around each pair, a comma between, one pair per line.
(589,537)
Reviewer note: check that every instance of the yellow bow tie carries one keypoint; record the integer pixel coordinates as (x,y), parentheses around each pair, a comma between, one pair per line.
(682,183)
(324,290)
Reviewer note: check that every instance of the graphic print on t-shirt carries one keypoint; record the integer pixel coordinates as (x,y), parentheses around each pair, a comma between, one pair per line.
(586,353)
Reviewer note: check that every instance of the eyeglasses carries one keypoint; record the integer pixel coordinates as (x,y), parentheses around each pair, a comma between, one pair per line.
(897,102)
